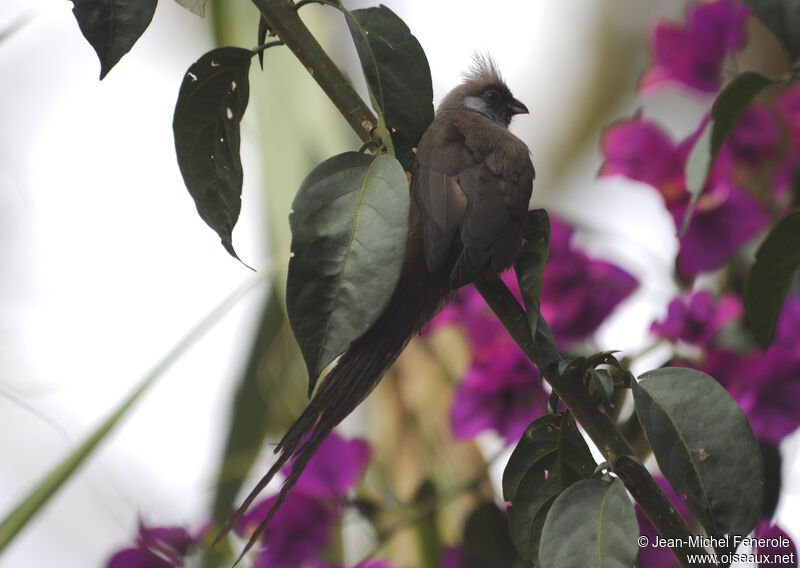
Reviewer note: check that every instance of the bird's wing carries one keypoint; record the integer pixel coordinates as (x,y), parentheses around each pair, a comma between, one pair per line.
(472,186)
(436,191)
(498,190)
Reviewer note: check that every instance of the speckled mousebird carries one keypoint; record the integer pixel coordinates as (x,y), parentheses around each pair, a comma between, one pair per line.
(470,188)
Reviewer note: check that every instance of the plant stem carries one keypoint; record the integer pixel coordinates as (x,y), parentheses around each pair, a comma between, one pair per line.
(287,25)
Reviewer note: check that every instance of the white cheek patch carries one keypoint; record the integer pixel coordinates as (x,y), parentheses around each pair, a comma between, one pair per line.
(478,104)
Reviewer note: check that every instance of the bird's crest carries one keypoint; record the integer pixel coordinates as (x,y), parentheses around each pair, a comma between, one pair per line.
(483,73)
(484,70)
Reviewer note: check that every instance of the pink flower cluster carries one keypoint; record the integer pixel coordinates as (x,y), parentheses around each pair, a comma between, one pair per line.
(749,186)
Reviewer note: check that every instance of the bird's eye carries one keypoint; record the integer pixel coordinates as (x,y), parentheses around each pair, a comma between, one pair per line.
(492,95)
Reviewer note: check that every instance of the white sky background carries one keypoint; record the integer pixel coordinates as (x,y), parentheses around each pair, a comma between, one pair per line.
(105,264)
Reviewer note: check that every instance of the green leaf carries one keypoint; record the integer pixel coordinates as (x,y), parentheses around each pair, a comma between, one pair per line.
(349,231)
(603,383)
(544,344)
(704,447)
(112,26)
(194,6)
(768,281)
(782,17)
(211,103)
(732,101)
(397,74)
(274,364)
(550,456)
(530,263)
(486,543)
(591,524)
(18,518)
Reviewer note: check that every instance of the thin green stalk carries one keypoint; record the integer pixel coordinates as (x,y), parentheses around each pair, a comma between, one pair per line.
(19,517)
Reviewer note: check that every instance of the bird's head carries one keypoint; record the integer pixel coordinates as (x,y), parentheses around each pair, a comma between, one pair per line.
(484,91)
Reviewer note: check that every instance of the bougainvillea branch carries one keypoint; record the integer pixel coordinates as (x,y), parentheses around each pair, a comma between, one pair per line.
(286,24)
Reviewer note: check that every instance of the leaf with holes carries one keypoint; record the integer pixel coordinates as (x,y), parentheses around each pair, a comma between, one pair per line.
(397,74)
(349,226)
(704,446)
(551,456)
(112,26)
(592,525)
(211,103)
(768,281)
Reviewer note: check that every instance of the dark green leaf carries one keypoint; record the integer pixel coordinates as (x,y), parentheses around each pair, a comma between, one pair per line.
(397,74)
(544,344)
(603,383)
(591,524)
(732,101)
(349,231)
(551,456)
(767,284)
(112,26)
(704,446)
(211,103)
(530,263)
(274,364)
(486,541)
(782,17)
(195,6)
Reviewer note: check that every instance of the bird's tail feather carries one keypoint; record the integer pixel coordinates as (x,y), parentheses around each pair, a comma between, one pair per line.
(415,301)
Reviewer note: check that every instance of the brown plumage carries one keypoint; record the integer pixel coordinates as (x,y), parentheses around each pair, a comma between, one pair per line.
(470,188)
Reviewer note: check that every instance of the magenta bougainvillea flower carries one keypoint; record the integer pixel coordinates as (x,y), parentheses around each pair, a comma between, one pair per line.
(579,292)
(697,317)
(725,216)
(335,468)
(691,55)
(501,393)
(638,149)
(767,387)
(451,557)
(755,139)
(302,526)
(724,219)
(299,531)
(156,547)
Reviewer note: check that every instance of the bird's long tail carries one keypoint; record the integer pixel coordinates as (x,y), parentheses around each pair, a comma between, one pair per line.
(418,296)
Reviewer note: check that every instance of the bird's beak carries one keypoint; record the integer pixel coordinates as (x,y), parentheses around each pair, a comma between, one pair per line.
(518,108)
